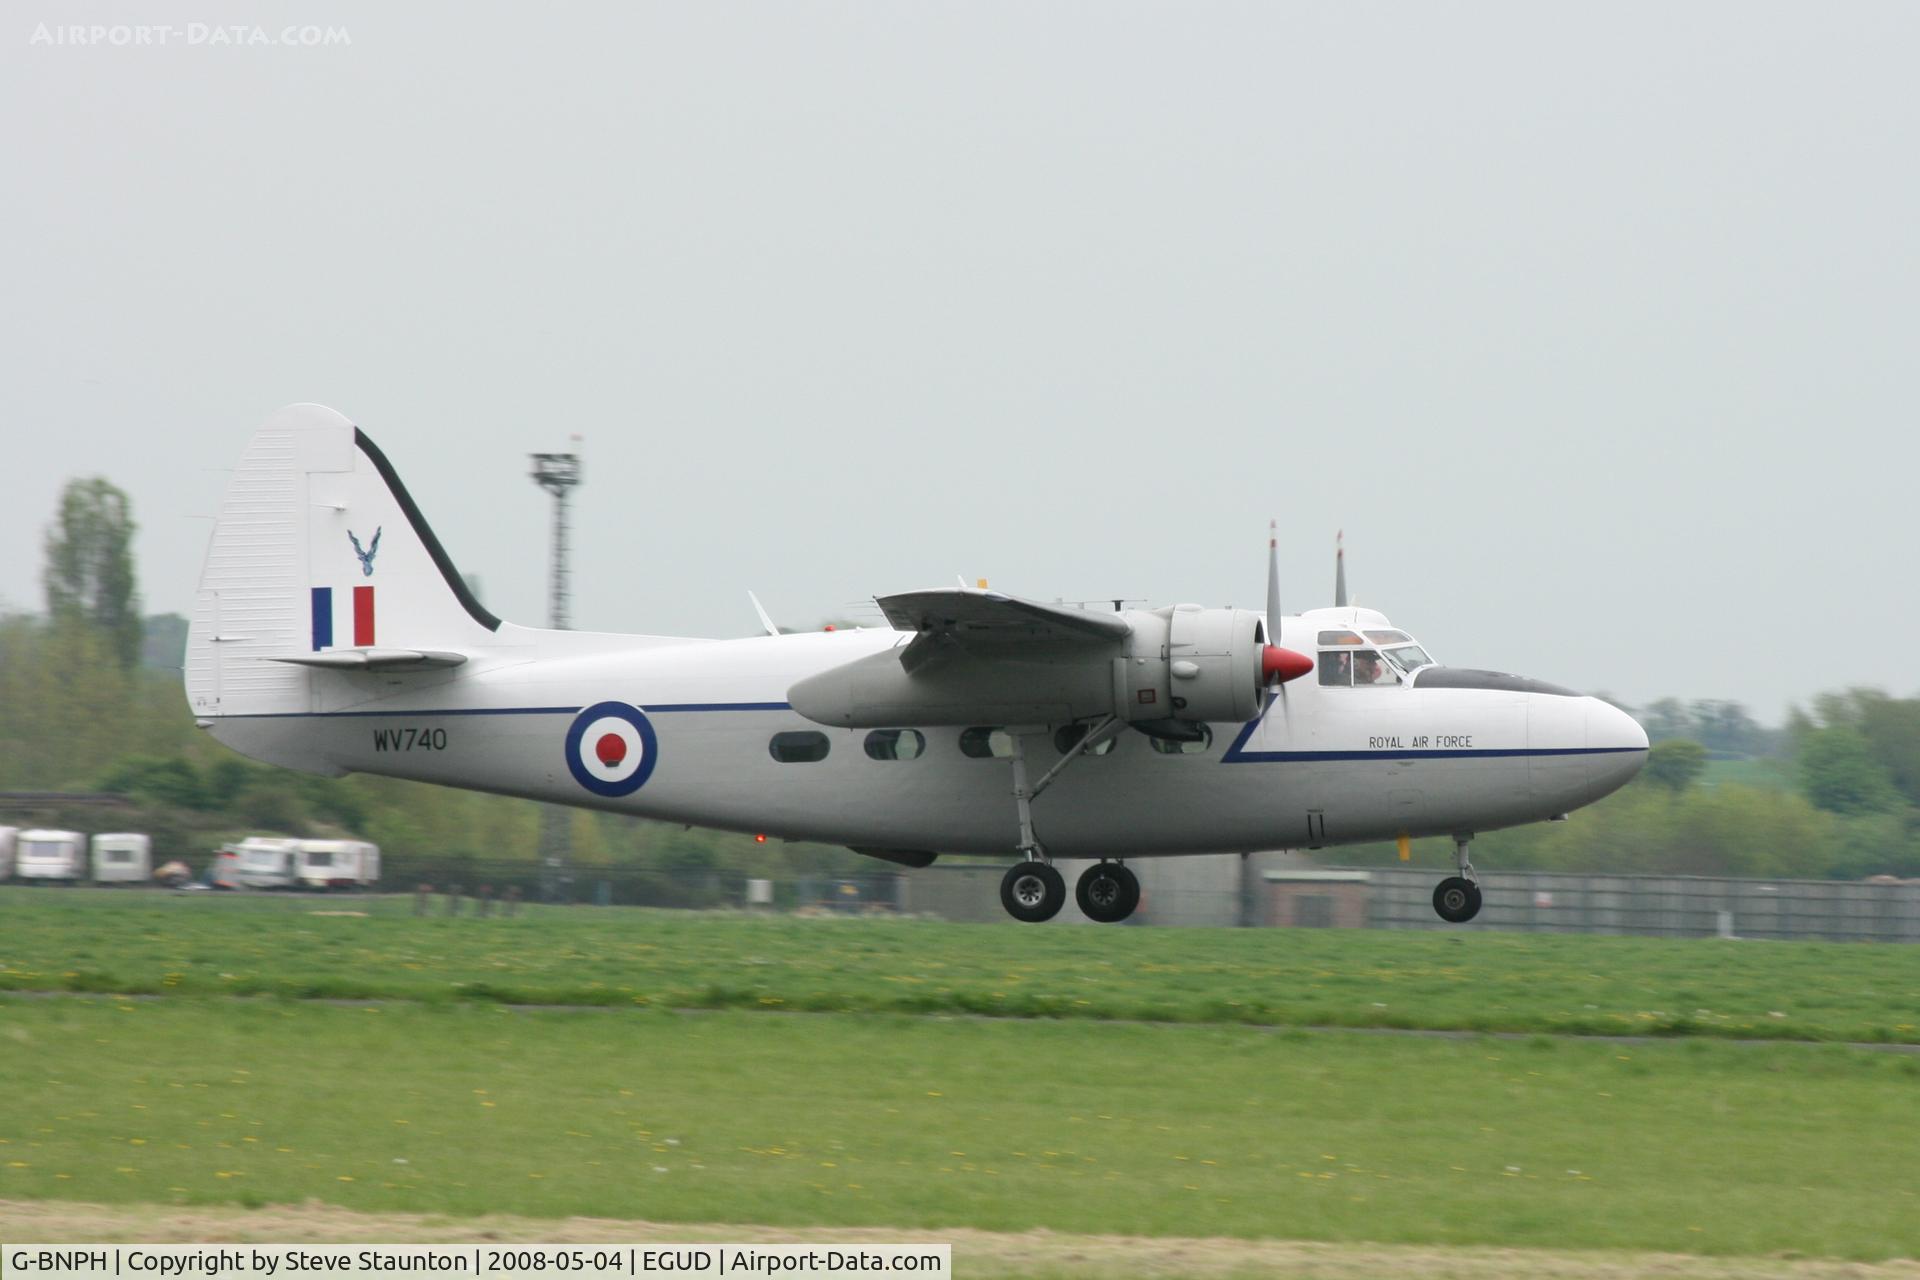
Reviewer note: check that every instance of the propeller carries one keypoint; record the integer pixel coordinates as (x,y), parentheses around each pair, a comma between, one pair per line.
(1278,665)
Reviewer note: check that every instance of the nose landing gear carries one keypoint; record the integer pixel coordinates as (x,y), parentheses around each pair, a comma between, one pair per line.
(1457,898)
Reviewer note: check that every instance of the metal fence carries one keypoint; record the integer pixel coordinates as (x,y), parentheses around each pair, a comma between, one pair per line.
(1658,906)
(636,886)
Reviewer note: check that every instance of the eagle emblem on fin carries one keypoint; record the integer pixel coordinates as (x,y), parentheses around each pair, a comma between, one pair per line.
(366,556)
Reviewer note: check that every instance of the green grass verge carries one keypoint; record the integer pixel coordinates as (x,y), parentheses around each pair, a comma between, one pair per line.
(920,1122)
(216,944)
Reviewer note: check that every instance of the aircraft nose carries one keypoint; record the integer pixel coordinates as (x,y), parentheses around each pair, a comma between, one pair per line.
(1616,743)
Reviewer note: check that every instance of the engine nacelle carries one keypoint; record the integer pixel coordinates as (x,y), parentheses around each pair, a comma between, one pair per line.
(1195,664)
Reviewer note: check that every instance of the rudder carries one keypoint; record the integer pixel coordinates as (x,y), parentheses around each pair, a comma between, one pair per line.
(318,548)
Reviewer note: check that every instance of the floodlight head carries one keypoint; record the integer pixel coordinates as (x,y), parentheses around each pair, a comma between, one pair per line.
(556,472)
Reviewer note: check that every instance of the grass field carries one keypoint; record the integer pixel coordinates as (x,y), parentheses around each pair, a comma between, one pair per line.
(1005,1126)
(305,947)
(1140,1106)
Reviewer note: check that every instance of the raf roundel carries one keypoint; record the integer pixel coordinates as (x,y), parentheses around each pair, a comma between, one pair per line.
(611,749)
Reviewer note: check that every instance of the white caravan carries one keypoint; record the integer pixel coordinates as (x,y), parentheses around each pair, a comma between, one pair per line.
(122,857)
(332,633)
(6,850)
(336,864)
(50,855)
(258,862)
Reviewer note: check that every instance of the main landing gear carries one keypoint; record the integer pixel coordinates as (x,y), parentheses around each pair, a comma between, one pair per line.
(1107,892)
(1457,898)
(1032,891)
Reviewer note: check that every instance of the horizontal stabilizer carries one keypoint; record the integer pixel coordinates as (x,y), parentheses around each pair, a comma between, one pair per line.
(378,659)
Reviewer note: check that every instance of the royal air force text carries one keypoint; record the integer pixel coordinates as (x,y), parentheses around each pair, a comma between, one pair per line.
(1423,742)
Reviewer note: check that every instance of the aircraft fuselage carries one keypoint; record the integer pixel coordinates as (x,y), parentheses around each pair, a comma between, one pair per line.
(1324,766)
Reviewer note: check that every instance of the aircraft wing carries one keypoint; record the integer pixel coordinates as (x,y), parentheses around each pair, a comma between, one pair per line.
(990,624)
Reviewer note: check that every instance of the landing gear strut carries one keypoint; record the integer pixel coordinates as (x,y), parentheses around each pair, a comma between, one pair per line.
(1032,890)
(1457,898)
(1107,892)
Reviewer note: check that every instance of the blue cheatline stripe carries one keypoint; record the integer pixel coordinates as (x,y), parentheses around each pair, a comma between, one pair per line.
(443,711)
(1256,757)
(499,711)
(719,706)
(322,618)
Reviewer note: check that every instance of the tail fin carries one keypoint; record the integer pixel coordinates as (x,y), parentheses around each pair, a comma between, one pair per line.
(318,550)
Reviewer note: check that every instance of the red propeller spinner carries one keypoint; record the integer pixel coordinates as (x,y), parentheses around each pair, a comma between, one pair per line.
(1277,665)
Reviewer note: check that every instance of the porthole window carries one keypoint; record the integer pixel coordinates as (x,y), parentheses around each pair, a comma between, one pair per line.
(1169,747)
(1067,739)
(986,742)
(799,747)
(895,744)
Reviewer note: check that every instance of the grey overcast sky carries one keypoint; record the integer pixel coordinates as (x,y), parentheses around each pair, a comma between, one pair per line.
(1596,327)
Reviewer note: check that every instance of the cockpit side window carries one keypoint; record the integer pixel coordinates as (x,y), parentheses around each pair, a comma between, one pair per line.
(1339,637)
(1368,668)
(1344,667)
(1409,657)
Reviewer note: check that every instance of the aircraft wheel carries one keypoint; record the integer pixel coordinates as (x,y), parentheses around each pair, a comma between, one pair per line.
(1456,899)
(1032,892)
(1107,892)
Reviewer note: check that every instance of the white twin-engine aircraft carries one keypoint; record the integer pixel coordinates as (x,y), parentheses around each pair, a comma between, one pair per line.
(331,633)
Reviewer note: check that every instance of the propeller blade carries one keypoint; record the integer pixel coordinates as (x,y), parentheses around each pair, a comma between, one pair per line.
(1278,665)
(1340,569)
(1273,582)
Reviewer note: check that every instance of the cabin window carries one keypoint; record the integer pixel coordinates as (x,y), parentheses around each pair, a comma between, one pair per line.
(1173,747)
(895,744)
(1067,739)
(799,747)
(319,857)
(986,742)
(118,855)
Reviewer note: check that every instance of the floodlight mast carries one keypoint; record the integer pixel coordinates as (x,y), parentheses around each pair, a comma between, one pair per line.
(559,474)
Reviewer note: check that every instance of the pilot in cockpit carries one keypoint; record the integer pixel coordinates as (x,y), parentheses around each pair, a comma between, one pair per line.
(1369,669)
(1353,667)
